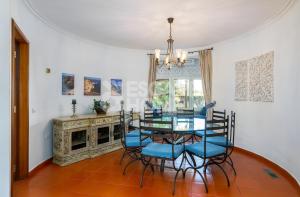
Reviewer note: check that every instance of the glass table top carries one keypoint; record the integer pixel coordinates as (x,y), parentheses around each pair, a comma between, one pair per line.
(181,125)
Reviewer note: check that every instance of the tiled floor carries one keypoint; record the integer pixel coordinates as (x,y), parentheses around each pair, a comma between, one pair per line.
(102,177)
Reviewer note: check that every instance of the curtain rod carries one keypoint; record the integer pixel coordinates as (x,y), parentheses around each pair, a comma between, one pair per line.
(189,52)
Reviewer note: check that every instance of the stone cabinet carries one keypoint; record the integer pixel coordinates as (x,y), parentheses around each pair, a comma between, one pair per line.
(85,136)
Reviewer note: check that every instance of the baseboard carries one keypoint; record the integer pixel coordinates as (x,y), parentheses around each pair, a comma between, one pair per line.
(292,180)
(39,167)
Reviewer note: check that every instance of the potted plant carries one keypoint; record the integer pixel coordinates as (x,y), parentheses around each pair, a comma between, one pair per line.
(100,106)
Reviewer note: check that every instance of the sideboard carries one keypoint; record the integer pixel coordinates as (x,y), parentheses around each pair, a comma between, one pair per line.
(85,136)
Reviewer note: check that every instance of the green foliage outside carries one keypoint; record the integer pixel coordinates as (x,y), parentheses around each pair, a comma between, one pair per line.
(161,94)
(182,99)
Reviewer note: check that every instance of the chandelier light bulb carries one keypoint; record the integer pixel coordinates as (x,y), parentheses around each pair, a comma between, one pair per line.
(157,54)
(183,56)
(178,53)
(167,59)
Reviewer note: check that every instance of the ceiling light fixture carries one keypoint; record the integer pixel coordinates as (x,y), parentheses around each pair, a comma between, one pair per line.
(170,59)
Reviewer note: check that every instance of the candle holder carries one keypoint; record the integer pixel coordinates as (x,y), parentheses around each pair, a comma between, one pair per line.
(74,108)
(122,105)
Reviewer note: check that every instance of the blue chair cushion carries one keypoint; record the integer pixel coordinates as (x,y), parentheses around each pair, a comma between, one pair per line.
(135,141)
(212,150)
(219,140)
(201,133)
(162,150)
(136,133)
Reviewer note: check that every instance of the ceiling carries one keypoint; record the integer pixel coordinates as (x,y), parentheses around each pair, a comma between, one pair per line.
(142,24)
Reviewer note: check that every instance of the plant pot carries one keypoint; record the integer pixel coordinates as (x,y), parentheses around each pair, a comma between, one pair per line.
(100,111)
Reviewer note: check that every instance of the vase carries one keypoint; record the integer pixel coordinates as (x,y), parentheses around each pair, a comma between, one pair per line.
(100,111)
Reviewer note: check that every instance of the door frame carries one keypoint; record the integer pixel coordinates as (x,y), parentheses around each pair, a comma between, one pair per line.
(19,105)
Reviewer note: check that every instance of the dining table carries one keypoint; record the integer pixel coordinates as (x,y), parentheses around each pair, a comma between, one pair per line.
(183,127)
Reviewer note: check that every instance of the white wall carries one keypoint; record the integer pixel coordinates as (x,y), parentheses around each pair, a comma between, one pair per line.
(65,53)
(5,98)
(269,129)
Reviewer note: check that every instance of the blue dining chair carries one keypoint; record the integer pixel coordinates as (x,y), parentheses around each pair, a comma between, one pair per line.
(150,113)
(210,154)
(163,151)
(133,131)
(132,145)
(216,115)
(185,113)
(223,141)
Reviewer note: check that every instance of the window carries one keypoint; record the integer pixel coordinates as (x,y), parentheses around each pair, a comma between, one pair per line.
(181,93)
(161,95)
(179,87)
(171,94)
(198,98)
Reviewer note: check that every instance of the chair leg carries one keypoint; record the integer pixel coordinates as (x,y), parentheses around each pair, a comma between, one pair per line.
(228,183)
(174,182)
(152,168)
(122,158)
(194,161)
(128,164)
(162,165)
(206,165)
(143,172)
(232,165)
(204,181)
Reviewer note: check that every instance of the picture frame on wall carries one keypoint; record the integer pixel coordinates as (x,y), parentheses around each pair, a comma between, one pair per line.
(116,87)
(92,86)
(68,84)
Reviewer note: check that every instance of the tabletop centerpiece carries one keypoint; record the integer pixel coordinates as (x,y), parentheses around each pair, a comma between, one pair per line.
(100,106)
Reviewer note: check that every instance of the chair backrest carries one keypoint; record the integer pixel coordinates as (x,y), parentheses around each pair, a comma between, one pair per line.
(232,127)
(220,128)
(185,113)
(124,125)
(159,129)
(130,121)
(153,113)
(218,115)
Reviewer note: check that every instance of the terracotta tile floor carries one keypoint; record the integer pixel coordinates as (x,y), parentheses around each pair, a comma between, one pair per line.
(102,177)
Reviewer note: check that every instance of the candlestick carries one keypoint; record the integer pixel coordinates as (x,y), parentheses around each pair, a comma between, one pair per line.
(73,101)
(74,108)
(122,105)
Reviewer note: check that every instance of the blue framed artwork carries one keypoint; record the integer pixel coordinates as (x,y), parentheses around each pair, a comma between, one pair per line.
(68,84)
(116,87)
(92,86)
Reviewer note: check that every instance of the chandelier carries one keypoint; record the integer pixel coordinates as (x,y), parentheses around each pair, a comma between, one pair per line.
(170,59)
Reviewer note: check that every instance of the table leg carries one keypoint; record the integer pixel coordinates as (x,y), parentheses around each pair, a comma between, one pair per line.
(162,165)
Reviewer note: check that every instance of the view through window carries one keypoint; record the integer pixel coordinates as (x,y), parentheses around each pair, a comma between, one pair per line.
(178,93)
(161,94)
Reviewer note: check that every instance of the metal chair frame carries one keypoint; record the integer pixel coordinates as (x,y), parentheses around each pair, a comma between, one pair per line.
(216,159)
(132,152)
(153,113)
(160,133)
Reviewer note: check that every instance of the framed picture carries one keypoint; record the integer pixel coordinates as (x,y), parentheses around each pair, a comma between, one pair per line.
(67,84)
(116,87)
(92,86)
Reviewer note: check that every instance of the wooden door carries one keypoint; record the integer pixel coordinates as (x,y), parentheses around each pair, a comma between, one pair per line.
(19,104)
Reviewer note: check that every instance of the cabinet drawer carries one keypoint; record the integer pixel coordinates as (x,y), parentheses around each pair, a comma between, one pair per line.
(75,124)
(101,121)
(116,119)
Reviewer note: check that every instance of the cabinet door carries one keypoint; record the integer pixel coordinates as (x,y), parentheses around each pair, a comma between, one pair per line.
(103,135)
(78,140)
(117,132)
